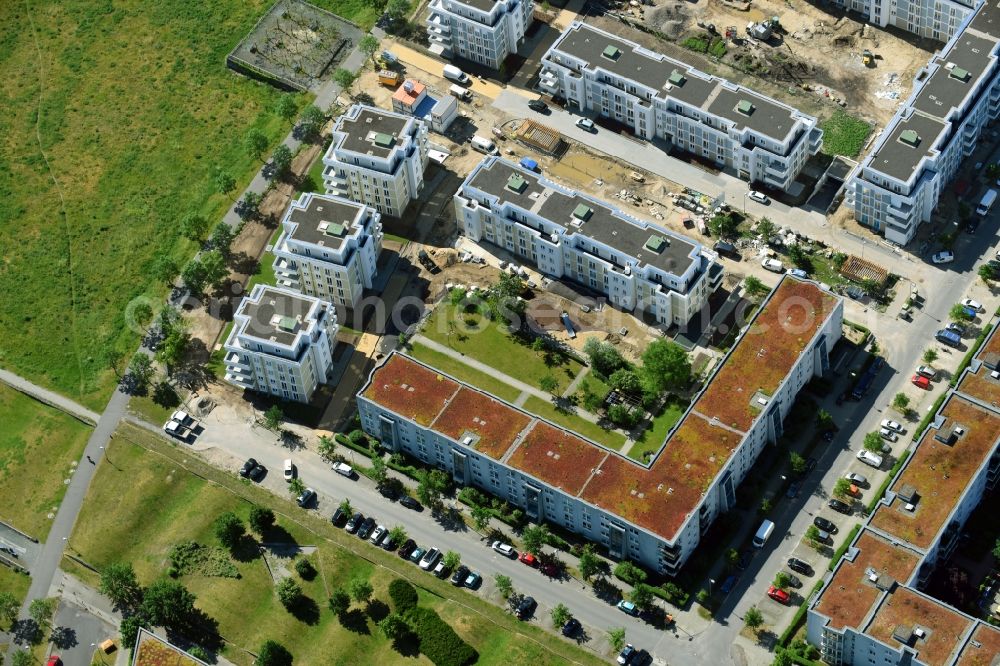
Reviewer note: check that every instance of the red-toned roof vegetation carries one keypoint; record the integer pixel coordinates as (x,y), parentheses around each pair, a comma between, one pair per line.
(944,627)
(985,653)
(410,389)
(557,457)
(496,424)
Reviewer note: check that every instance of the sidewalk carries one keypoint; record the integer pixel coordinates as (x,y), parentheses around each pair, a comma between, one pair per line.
(48,397)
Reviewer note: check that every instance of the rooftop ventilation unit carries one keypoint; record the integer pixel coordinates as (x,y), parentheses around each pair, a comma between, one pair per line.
(676,78)
(910,138)
(334,229)
(383,140)
(656,243)
(745,107)
(516,183)
(287,323)
(960,74)
(582,212)
(408,86)
(611,52)
(919,633)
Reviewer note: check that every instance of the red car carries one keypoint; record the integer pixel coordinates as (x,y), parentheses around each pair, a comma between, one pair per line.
(54,660)
(778,594)
(528,559)
(921,381)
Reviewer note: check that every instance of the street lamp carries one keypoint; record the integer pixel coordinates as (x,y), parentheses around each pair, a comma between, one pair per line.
(711,586)
(745,195)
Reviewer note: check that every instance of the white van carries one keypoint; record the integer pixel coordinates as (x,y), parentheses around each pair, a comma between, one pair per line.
(484,145)
(461,93)
(763,532)
(453,73)
(986,202)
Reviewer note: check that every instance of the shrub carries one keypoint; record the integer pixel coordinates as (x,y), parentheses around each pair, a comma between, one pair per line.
(305,569)
(630,573)
(438,641)
(403,595)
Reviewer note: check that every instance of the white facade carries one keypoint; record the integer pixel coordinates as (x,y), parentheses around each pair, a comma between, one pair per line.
(483,31)
(635,264)
(763,140)
(377,157)
(933,19)
(328,248)
(955,98)
(573,510)
(281,343)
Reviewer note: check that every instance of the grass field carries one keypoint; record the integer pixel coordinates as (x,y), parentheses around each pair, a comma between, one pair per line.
(546,409)
(163,502)
(844,134)
(130,108)
(486,342)
(15,583)
(652,438)
(38,445)
(461,371)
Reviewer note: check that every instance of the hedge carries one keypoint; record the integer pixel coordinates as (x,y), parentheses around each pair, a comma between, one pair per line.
(885,484)
(928,417)
(438,641)
(343,441)
(799,659)
(968,357)
(798,618)
(837,554)
(403,596)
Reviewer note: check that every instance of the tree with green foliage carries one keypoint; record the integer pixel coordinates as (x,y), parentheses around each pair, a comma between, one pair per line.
(753,619)
(988,272)
(248,207)
(360,590)
(481,516)
(120,585)
(398,534)
(224,182)
(534,537)
(194,226)
(273,417)
(629,573)
(311,123)
(339,602)
(326,448)
(626,381)
(549,384)
(214,266)
(502,300)
(261,519)
(766,229)
(369,45)
(754,288)
(222,239)
(590,562)
(665,365)
(841,488)
(9,607)
(604,358)
(996,549)
(22,658)
(432,484)
(781,658)
(765,506)
(797,462)
(305,569)
(272,653)
(800,257)
(732,558)
(129,627)
(873,442)
(345,79)
(255,143)
(724,226)
(958,313)
(403,596)
(393,626)
(782,580)
(812,536)
(167,603)
(930,355)
(142,370)
(642,596)
(163,267)
(229,530)
(451,560)
(824,419)
(286,107)
(560,615)
(195,276)
(901,402)
(380,471)
(504,585)
(616,638)
(173,348)
(296,487)
(289,592)
(281,161)
(397,10)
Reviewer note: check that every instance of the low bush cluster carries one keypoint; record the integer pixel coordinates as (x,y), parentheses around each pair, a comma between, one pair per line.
(438,641)
(403,596)
(191,557)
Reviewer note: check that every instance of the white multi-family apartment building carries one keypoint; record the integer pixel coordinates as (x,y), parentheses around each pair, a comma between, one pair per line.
(761,139)
(956,96)
(328,248)
(653,513)
(873,609)
(281,343)
(483,31)
(377,157)
(933,19)
(637,265)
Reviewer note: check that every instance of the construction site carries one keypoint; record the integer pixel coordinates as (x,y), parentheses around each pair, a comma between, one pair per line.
(813,59)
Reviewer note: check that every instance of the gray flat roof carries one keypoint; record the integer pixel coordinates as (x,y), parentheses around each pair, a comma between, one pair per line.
(324,221)
(944,90)
(482,5)
(277,317)
(603,226)
(987,20)
(365,134)
(898,159)
(588,44)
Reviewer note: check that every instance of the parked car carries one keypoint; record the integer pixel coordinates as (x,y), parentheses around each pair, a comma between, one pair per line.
(389,543)
(529,559)
(955,328)
(798,272)
(504,549)
(839,506)
(626,655)
(793,491)
(869,458)
(339,517)
(778,594)
(526,608)
(288,469)
(921,382)
(857,479)
(928,372)
(571,627)
(54,660)
(772,265)
(587,125)
(366,528)
(539,106)
(378,534)
(943,257)
(628,608)
(461,573)
(824,524)
(759,197)
(388,491)
(975,305)
(793,580)
(258,472)
(248,467)
(307,496)
(429,559)
(889,424)
(797,565)
(550,569)
(343,469)
(441,571)
(473,580)
(887,434)
(180,417)
(354,523)
(407,549)
(417,554)
(410,503)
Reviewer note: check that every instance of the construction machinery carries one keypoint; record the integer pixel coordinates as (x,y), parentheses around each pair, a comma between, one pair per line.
(867,58)
(387,77)
(731,33)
